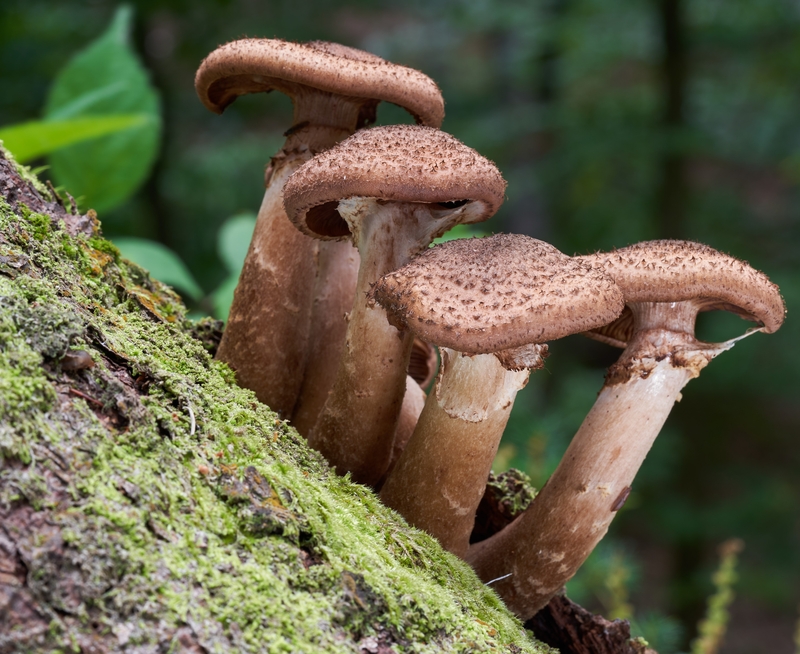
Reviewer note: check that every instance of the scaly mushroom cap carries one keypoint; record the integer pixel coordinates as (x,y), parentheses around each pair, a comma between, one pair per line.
(261,65)
(677,271)
(483,295)
(396,163)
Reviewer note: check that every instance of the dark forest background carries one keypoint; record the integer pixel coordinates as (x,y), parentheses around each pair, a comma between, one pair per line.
(613,121)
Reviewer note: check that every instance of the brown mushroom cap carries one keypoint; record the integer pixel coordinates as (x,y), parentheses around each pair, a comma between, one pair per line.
(487,294)
(400,163)
(261,65)
(677,271)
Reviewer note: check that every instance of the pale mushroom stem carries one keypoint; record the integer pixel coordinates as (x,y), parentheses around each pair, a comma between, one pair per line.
(422,366)
(337,275)
(441,475)
(266,338)
(413,403)
(544,547)
(356,427)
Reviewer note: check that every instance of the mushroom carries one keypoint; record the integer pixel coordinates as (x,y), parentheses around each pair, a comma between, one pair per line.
(413,403)
(392,190)
(665,283)
(335,90)
(490,304)
(333,297)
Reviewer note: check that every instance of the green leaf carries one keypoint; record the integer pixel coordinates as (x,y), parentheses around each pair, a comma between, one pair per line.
(106,78)
(234,240)
(37,137)
(460,231)
(161,262)
(222,297)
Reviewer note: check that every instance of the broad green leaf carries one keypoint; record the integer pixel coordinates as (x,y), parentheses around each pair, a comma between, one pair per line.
(106,78)
(234,240)
(222,297)
(37,137)
(161,262)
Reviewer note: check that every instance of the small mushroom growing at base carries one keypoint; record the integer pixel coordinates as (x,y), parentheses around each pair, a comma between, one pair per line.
(334,91)
(490,304)
(665,283)
(391,190)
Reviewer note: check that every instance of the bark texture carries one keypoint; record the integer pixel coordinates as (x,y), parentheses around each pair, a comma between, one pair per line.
(574,630)
(148,504)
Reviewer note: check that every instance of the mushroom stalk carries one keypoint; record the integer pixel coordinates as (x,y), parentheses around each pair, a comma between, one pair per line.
(441,475)
(267,334)
(545,546)
(271,308)
(335,289)
(356,427)
(410,410)
(334,91)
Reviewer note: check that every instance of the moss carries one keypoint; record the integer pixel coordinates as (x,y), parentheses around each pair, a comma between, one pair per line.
(181,506)
(40,225)
(101,244)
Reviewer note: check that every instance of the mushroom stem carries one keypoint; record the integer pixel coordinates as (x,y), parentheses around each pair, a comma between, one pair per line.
(355,430)
(413,403)
(320,119)
(267,334)
(422,366)
(337,274)
(441,475)
(544,547)
(356,427)
(268,323)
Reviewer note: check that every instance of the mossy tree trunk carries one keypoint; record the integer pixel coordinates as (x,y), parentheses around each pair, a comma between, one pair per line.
(147,504)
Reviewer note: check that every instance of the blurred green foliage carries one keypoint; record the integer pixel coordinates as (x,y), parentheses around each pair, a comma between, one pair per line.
(232,243)
(36,138)
(161,262)
(713,626)
(613,122)
(105,78)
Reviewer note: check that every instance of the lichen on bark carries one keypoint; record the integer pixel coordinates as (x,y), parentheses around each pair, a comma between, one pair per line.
(148,504)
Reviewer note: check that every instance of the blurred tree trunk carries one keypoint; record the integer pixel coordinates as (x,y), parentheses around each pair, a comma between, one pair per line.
(671,214)
(671,194)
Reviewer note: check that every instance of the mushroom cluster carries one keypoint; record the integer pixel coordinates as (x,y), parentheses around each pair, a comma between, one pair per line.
(342,299)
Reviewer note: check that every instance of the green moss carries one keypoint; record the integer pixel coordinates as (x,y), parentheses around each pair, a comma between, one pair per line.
(104,245)
(190,503)
(40,225)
